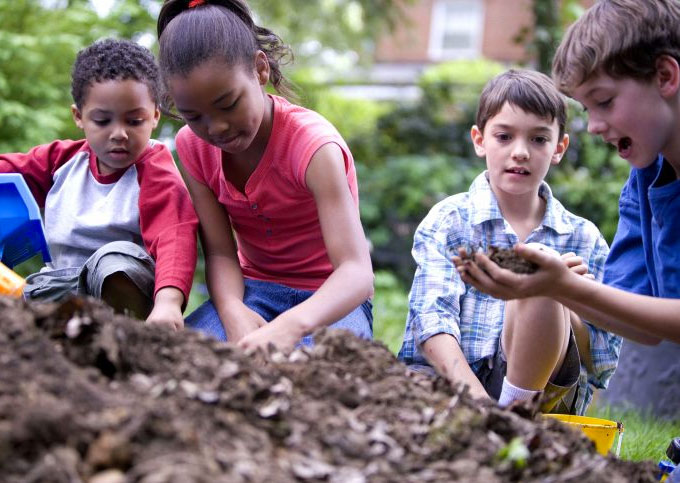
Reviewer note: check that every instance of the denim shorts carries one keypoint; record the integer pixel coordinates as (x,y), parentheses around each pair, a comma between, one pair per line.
(271,299)
(119,256)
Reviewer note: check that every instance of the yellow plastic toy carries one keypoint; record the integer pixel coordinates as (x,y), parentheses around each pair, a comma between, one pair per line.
(600,431)
(10,283)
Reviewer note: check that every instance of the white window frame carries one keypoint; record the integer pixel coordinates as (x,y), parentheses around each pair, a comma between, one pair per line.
(473,25)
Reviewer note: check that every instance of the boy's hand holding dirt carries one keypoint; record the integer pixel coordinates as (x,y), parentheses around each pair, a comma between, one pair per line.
(542,273)
(167,309)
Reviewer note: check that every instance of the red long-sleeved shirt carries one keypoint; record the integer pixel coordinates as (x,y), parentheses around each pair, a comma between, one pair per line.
(147,204)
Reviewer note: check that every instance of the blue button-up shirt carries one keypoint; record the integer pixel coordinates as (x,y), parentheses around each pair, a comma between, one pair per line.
(645,255)
(439,301)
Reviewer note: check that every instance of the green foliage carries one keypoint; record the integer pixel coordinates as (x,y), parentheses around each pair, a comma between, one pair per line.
(454,87)
(390,307)
(39,47)
(541,39)
(396,196)
(515,452)
(40,41)
(341,25)
(440,122)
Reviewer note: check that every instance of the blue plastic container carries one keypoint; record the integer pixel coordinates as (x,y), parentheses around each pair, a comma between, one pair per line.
(21,230)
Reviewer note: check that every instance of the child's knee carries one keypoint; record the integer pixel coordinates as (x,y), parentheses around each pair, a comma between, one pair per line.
(122,293)
(531,319)
(535,310)
(116,260)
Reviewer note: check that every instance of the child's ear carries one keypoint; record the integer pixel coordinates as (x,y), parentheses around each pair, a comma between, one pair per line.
(156,117)
(667,75)
(560,149)
(262,67)
(478,141)
(77,116)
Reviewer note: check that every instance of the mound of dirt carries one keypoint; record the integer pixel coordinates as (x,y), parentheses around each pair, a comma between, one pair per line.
(86,395)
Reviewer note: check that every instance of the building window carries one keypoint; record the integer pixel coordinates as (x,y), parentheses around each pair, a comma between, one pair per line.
(456,29)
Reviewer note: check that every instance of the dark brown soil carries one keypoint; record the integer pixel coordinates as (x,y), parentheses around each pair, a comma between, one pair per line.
(89,396)
(506,258)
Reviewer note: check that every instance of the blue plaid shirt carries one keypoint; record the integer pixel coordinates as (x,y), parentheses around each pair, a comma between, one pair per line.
(439,301)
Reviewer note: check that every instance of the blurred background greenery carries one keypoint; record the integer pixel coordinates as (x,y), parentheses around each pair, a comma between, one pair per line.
(410,153)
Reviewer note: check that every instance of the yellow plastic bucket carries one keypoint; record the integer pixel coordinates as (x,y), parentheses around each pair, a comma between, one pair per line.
(600,431)
(10,283)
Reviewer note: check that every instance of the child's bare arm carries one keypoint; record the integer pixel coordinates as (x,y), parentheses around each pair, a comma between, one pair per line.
(638,317)
(351,282)
(446,356)
(222,269)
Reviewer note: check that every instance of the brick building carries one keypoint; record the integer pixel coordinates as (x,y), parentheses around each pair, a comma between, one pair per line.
(441,30)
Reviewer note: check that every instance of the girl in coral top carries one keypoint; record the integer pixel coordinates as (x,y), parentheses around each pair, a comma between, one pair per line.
(274,185)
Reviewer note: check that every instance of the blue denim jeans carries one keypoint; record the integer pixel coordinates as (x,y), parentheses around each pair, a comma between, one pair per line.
(270,299)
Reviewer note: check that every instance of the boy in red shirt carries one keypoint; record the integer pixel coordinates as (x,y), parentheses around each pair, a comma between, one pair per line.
(118,218)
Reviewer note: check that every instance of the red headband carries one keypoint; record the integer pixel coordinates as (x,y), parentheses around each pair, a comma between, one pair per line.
(196,3)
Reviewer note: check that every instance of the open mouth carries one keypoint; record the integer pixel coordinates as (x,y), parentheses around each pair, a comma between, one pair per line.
(624,146)
(521,171)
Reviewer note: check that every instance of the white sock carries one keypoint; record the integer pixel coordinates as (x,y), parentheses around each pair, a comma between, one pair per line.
(510,394)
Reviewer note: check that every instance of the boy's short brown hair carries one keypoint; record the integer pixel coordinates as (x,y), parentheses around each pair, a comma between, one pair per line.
(529,90)
(620,38)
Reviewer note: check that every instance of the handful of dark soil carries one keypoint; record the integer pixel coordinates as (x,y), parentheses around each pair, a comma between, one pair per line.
(89,396)
(506,258)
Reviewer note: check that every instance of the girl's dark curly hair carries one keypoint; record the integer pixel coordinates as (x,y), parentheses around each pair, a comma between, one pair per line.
(222,29)
(114,59)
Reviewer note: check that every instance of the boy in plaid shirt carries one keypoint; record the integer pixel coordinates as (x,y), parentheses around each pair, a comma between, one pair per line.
(509,350)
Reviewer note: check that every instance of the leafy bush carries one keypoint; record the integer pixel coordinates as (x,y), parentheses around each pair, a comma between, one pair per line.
(397,195)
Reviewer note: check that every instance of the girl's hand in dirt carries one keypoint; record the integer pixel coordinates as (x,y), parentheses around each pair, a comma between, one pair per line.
(283,333)
(242,323)
(488,277)
(167,309)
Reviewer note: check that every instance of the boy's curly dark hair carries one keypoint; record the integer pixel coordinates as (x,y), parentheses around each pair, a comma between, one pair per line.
(114,59)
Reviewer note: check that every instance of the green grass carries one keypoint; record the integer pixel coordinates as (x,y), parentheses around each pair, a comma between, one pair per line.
(645,437)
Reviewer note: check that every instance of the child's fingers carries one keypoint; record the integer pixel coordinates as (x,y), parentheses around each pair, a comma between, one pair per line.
(472,274)
(462,252)
(573,261)
(485,271)
(579,269)
(493,272)
(539,257)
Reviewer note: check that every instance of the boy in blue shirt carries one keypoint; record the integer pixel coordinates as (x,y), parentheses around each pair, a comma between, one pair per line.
(620,60)
(509,351)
